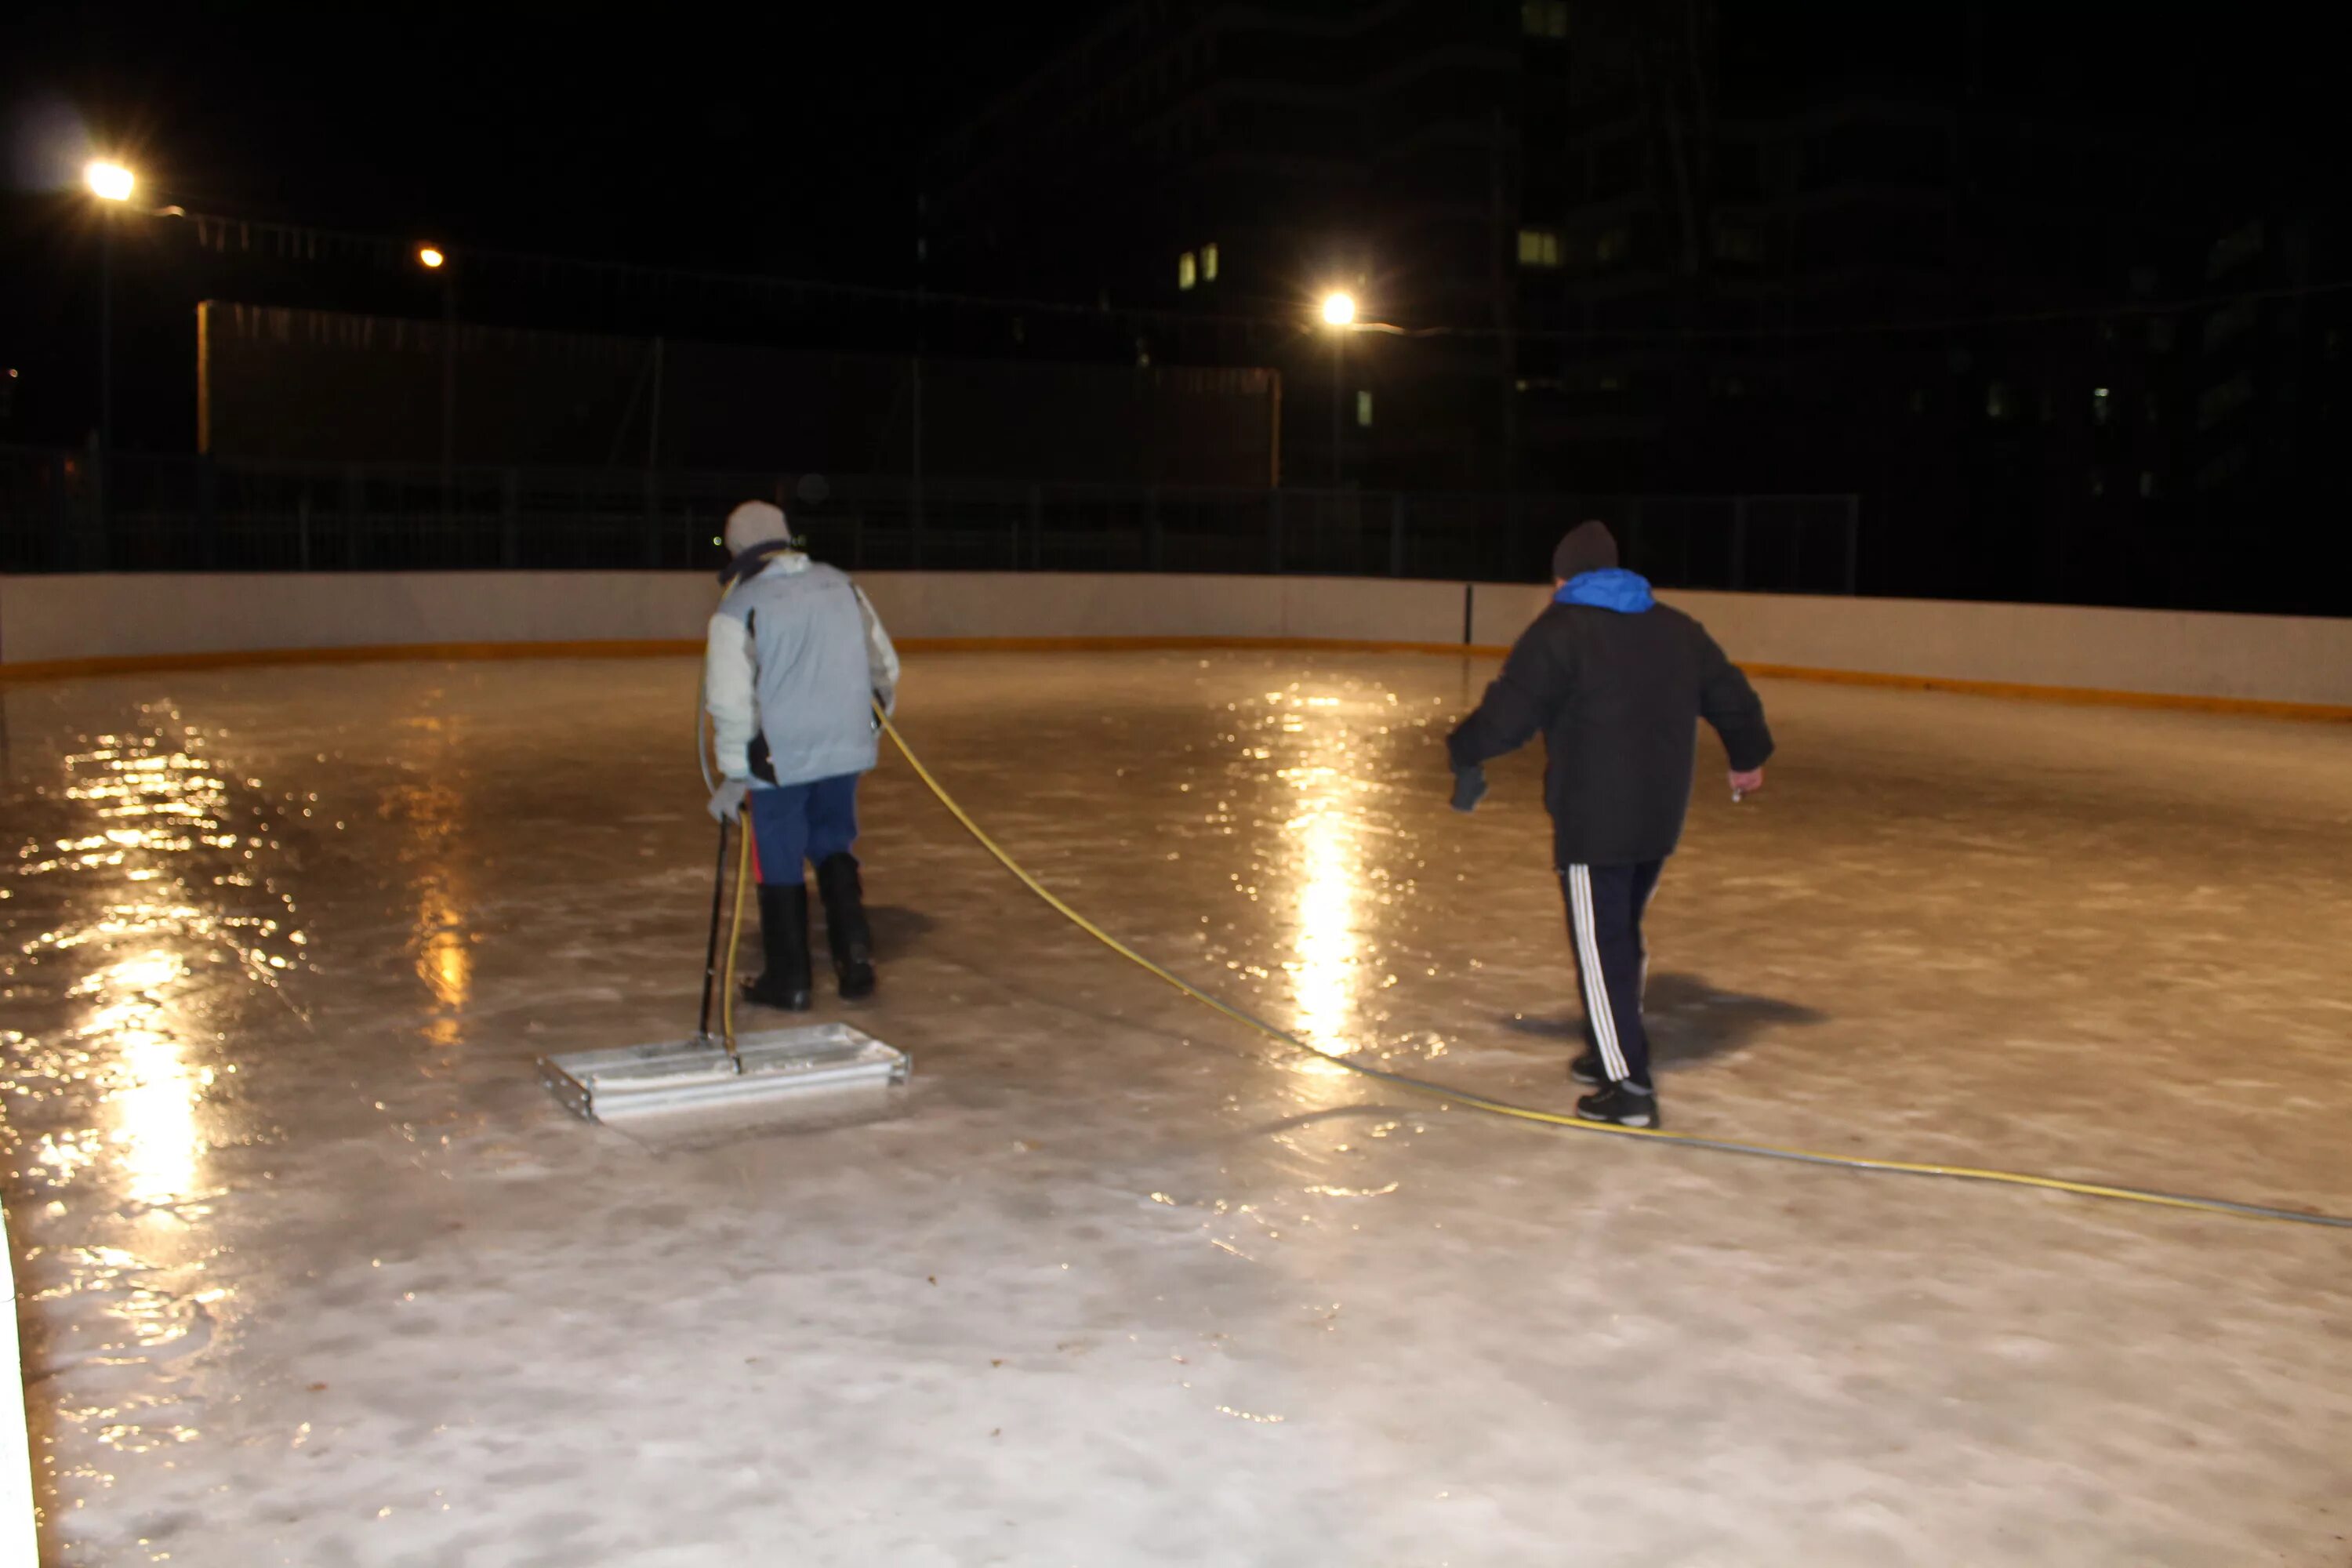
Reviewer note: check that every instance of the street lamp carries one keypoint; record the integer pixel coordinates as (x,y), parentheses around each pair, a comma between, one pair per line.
(111,184)
(433,258)
(1339,315)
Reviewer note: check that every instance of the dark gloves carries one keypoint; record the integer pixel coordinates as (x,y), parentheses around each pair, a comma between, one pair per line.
(1469,788)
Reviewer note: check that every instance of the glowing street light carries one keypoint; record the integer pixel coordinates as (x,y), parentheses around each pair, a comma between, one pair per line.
(1339,314)
(108,182)
(429,256)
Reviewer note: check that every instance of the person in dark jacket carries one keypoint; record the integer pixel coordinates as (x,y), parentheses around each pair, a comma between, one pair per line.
(1615,683)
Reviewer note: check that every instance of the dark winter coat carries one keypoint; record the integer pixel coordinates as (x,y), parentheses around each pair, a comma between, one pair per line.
(1617,695)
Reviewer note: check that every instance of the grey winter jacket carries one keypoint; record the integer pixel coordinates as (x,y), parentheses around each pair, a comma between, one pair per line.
(796,657)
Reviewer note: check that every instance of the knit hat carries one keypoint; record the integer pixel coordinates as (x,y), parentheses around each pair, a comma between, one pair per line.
(1587,547)
(754,523)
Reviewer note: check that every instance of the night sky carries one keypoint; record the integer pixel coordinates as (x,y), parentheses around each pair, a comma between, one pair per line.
(788,143)
(789,140)
(793,143)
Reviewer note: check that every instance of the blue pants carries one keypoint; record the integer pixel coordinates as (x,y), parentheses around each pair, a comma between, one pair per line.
(804,822)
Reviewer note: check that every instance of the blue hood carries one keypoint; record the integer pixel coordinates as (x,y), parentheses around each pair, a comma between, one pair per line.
(1610,588)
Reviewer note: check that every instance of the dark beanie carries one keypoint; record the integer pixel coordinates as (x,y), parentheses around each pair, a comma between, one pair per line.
(1587,547)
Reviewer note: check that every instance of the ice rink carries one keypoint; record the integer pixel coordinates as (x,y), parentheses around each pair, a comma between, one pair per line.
(317,1272)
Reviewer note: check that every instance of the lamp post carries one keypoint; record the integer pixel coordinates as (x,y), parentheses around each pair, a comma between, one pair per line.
(1339,315)
(111,184)
(433,258)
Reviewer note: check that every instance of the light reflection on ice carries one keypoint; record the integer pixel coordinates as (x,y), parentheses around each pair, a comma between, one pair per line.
(440,943)
(158,887)
(1324,827)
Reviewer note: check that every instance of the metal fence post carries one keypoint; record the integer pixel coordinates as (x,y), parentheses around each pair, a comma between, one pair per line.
(98,515)
(1396,534)
(61,536)
(208,512)
(509,518)
(354,509)
(1853,544)
(653,518)
(1273,532)
(1740,544)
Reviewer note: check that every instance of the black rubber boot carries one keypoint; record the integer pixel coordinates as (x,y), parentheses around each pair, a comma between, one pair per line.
(784,939)
(846,931)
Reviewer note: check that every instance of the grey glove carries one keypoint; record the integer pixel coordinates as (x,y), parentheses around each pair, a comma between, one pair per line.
(1469,788)
(726,802)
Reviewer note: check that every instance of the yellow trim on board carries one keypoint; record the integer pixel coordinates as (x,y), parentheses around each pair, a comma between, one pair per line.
(374,653)
(359,653)
(2079,696)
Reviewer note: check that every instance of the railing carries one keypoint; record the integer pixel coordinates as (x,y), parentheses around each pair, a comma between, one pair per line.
(66,512)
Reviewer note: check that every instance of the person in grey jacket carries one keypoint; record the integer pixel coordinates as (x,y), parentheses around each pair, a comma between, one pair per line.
(796,662)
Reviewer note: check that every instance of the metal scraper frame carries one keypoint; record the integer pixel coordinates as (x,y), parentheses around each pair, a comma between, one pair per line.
(676,1074)
(722,1070)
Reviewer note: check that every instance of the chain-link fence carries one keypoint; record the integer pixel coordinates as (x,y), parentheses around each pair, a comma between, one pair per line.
(71,512)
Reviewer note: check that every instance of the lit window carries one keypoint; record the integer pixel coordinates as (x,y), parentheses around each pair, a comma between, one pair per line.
(1544,18)
(1209,263)
(1187,270)
(2102,407)
(1363,407)
(1999,402)
(1611,246)
(1539,247)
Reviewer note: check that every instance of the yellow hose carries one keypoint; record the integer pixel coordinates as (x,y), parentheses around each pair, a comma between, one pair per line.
(1555,1117)
(735,935)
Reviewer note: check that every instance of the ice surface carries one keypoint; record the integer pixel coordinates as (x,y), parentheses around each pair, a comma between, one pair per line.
(319,1273)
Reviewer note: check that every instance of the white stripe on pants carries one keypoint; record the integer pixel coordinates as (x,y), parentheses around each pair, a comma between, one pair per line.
(1588,969)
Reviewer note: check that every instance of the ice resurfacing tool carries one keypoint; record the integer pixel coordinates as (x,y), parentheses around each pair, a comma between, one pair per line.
(821,1064)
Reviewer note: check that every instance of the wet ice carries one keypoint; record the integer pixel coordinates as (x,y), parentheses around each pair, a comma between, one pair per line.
(317,1272)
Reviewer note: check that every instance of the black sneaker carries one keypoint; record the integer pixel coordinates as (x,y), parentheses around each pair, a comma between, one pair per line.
(1622,1105)
(1587,1068)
